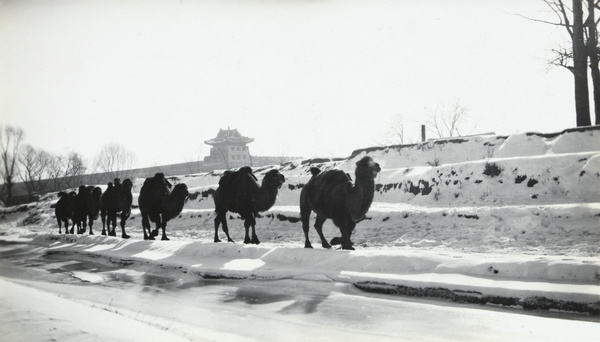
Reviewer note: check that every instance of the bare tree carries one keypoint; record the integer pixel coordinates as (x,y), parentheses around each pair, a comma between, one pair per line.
(593,51)
(396,132)
(193,164)
(581,24)
(114,160)
(33,166)
(446,120)
(10,141)
(55,170)
(75,169)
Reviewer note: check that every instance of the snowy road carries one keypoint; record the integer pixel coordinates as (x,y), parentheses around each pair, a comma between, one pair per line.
(73,297)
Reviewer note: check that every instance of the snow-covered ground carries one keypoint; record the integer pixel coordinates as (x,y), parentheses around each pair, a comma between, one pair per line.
(505,221)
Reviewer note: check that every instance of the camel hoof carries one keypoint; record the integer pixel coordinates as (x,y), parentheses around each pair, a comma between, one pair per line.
(217,240)
(308,245)
(125,236)
(326,245)
(247,241)
(164,238)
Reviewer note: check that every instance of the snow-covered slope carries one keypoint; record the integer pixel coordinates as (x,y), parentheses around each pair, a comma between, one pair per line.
(526,193)
(482,214)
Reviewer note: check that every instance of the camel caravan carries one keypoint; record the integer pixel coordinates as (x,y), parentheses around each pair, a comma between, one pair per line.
(330,194)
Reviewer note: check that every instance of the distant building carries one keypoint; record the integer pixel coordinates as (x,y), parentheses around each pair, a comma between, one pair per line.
(229,149)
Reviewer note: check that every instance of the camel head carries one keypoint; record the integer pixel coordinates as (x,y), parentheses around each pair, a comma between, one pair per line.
(366,167)
(127,184)
(97,192)
(180,190)
(274,179)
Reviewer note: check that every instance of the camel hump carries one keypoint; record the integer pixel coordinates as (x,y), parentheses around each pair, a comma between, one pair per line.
(247,170)
(315,171)
(333,177)
(157,183)
(230,177)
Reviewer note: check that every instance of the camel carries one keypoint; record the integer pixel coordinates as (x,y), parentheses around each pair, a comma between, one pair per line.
(159,205)
(87,207)
(331,194)
(239,192)
(63,210)
(116,199)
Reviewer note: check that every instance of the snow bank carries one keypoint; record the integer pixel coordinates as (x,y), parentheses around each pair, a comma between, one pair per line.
(475,212)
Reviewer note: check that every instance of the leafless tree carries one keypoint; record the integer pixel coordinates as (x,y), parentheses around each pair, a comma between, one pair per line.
(10,141)
(580,22)
(33,166)
(193,163)
(75,169)
(115,161)
(445,120)
(55,171)
(396,132)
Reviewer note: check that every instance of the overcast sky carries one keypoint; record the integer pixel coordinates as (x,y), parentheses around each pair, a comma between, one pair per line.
(304,78)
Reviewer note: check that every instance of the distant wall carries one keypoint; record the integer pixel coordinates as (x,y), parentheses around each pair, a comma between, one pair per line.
(21,196)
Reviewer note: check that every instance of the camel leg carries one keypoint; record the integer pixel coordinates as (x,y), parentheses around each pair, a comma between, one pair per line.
(305,216)
(319,228)
(103,218)
(59,225)
(346,234)
(217,223)
(221,217)
(91,222)
(112,222)
(72,227)
(124,217)
(164,231)
(249,221)
(146,227)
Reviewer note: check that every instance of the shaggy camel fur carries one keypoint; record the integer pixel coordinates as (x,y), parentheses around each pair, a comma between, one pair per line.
(64,209)
(116,200)
(239,192)
(331,194)
(87,207)
(159,205)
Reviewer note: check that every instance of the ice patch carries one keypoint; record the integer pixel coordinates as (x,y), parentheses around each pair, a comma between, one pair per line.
(57,265)
(243,264)
(88,277)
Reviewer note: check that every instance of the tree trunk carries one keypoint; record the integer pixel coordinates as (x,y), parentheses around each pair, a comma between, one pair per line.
(582,96)
(592,50)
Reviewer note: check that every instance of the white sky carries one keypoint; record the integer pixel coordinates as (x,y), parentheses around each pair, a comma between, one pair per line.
(304,78)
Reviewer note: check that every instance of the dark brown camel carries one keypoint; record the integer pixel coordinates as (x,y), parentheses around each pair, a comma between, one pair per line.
(159,205)
(87,207)
(116,200)
(331,194)
(239,192)
(63,210)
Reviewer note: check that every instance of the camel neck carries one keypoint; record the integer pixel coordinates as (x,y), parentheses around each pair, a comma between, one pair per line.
(361,198)
(266,197)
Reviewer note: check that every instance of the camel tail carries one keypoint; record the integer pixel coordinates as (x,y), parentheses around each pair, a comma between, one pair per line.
(315,171)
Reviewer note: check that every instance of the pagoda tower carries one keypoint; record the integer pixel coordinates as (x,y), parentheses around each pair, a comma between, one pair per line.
(229,148)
